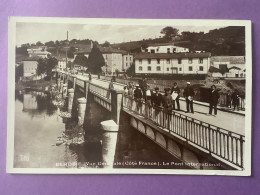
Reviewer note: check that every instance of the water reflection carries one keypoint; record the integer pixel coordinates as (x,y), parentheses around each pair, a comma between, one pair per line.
(38,124)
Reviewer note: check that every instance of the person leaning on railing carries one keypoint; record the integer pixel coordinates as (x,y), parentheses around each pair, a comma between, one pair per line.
(188,94)
(138,95)
(176,95)
(157,101)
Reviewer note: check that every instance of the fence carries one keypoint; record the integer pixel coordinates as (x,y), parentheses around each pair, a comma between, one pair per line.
(220,142)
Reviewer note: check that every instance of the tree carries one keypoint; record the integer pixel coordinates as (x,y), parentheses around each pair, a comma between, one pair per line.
(169,32)
(95,61)
(81,60)
(131,70)
(106,44)
(18,72)
(46,65)
(71,52)
(39,43)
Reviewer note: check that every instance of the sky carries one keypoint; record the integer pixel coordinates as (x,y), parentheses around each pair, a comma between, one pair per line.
(32,32)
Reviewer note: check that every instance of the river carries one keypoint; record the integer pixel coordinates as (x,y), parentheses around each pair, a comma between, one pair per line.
(38,124)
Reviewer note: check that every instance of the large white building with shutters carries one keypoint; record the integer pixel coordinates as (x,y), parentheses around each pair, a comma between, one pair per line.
(164,63)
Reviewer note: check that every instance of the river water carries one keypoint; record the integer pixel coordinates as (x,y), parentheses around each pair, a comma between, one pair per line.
(38,124)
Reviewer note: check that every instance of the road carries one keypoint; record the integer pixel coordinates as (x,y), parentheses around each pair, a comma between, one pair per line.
(226,120)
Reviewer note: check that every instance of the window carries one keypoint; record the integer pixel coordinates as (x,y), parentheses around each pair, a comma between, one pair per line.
(130,58)
(190,68)
(201,60)
(168,61)
(168,69)
(140,68)
(158,68)
(125,58)
(179,61)
(168,50)
(149,61)
(180,69)
(201,68)
(152,51)
(190,60)
(149,68)
(140,61)
(126,64)
(158,61)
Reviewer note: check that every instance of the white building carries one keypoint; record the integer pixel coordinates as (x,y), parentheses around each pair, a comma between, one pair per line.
(160,63)
(30,66)
(166,48)
(40,51)
(228,66)
(127,60)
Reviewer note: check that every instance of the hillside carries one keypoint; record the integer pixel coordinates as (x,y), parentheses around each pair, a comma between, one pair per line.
(228,41)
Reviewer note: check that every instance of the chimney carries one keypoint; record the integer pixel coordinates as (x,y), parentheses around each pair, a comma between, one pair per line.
(91,44)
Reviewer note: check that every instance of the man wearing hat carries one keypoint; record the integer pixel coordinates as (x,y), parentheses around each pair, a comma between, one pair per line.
(188,94)
(156,102)
(138,95)
(176,95)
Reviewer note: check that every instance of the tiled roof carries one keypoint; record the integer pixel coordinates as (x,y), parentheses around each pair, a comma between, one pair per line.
(231,59)
(102,49)
(161,44)
(171,56)
(33,58)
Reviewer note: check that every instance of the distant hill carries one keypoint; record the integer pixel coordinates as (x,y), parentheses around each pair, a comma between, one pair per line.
(228,41)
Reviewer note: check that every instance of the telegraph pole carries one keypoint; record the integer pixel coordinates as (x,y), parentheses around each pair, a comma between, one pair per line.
(67,44)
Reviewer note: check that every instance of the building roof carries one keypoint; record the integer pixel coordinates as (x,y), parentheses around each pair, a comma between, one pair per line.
(171,56)
(230,59)
(161,44)
(103,50)
(33,58)
(234,67)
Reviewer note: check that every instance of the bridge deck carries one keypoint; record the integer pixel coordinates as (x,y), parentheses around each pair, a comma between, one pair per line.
(226,120)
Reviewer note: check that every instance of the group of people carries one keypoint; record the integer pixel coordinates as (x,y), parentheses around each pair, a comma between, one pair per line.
(154,98)
(170,100)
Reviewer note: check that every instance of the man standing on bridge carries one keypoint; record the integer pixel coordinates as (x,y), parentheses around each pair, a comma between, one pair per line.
(176,96)
(213,100)
(188,94)
(157,103)
(138,95)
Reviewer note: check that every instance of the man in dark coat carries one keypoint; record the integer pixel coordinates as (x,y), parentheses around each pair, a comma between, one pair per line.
(235,99)
(157,98)
(176,90)
(213,100)
(188,94)
(138,95)
(157,103)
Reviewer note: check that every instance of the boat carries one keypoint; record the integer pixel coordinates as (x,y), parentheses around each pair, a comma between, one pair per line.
(59,141)
(109,125)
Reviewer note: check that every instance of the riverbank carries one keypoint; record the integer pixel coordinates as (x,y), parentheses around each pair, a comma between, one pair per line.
(37,85)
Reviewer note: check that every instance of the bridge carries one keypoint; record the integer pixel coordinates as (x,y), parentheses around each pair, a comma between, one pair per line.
(195,139)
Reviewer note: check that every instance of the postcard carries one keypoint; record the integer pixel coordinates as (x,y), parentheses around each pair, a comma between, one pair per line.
(129,96)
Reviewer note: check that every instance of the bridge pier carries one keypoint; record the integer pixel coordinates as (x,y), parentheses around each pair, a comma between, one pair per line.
(64,90)
(61,86)
(116,103)
(70,99)
(81,110)
(58,83)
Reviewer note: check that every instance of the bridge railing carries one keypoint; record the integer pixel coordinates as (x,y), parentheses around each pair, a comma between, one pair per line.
(163,84)
(101,91)
(224,144)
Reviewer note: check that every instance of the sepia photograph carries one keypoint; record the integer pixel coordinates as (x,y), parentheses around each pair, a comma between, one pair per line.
(129,96)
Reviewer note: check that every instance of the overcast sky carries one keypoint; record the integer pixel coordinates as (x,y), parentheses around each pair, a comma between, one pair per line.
(33,32)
